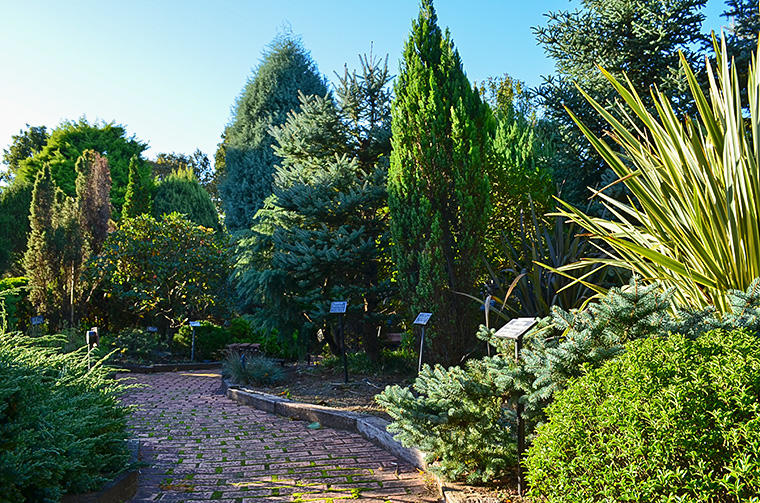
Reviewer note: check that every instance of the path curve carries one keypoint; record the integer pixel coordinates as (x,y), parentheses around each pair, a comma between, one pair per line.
(203,447)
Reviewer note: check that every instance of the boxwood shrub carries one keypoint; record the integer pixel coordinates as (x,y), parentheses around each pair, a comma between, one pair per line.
(671,419)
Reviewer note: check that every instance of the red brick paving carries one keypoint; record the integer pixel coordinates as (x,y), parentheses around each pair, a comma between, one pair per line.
(203,447)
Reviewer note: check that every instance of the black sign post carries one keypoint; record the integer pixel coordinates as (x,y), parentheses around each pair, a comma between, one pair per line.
(422,320)
(93,340)
(339,307)
(514,330)
(193,324)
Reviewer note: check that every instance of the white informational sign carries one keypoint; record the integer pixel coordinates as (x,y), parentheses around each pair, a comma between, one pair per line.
(516,327)
(37,320)
(422,318)
(195,323)
(152,329)
(338,307)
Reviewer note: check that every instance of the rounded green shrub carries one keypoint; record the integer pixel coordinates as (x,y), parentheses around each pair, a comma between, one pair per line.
(258,370)
(672,419)
(210,340)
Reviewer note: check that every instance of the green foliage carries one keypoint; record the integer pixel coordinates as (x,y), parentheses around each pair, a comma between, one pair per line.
(397,361)
(13,302)
(181,192)
(61,426)
(165,272)
(70,140)
(639,37)
(257,370)
(23,145)
(673,419)
(15,201)
(438,191)
(210,340)
(741,39)
(286,69)
(457,418)
(135,345)
(138,197)
(695,182)
(323,233)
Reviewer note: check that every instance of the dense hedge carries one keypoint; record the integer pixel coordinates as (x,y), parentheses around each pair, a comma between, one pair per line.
(672,419)
(61,427)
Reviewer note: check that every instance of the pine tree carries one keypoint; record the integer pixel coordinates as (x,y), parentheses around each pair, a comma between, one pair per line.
(639,37)
(437,186)
(39,258)
(182,193)
(265,101)
(744,25)
(137,200)
(322,234)
(93,200)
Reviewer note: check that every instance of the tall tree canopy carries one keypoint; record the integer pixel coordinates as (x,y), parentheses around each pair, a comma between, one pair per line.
(69,141)
(266,100)
(438,190)
(23,145)
(139,195)
(639,37)
(181,192)
(323,232)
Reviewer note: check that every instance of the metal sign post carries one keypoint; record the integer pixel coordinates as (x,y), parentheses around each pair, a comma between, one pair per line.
(93,340)
(514,330)
(339,307)
(422,320)
(193,324)
(36,322)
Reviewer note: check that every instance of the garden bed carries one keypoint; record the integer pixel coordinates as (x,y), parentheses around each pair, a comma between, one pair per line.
(325,386)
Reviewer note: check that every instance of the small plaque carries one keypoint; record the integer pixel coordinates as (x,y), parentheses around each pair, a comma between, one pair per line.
(37,320)
(152,329)
(195,323)
(338,307)
(422,318)
(515,328)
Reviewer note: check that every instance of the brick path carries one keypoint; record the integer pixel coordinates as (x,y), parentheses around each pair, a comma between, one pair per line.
(204,447)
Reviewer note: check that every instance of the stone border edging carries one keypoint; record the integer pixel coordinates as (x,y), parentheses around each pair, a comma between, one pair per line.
(119,490)
(168,367)
(370,427)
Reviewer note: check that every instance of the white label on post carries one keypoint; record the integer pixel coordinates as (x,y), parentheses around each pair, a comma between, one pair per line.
(338,307)
(37,320)
(152,329)
(422,318)
(195,323)
(515,328)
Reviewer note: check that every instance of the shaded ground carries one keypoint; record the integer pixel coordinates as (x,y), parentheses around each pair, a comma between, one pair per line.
(204,447)
(327,387)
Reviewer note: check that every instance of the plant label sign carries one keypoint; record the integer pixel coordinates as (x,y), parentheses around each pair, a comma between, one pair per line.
(195,323)
(516,328)
(37,320)
(152,329)
(422,319)
(338,307)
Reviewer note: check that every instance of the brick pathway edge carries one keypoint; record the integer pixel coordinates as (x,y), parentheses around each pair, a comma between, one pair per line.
(370,427)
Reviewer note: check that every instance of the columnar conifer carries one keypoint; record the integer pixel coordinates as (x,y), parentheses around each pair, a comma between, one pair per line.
(437,186)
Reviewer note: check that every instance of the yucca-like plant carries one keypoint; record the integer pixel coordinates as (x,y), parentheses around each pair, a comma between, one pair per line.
(695,223)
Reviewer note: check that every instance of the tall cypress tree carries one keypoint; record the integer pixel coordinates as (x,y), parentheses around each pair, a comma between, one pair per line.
(93,201)
(40,254)
(286,69)
(137,200)
(437,186)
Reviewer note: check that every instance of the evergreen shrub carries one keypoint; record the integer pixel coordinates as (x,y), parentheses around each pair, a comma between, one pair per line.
(62,430)
(135,345)
(210,340)
(672,419)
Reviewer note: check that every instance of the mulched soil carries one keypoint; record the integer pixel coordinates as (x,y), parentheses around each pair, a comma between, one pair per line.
(325,386)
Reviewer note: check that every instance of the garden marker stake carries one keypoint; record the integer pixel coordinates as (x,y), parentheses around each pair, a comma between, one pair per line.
(193,324)
(339,307)
(422,320)
(514,330)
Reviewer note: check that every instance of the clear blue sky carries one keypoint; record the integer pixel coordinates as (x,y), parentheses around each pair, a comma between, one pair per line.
(171,70)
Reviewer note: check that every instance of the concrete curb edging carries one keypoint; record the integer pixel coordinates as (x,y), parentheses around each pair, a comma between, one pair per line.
(370,427)
(168,367)
(119,490)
